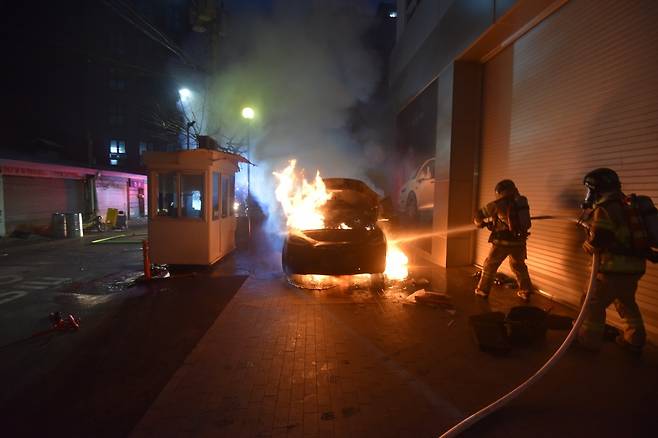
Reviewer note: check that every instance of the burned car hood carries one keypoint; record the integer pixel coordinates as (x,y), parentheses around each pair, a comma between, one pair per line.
(352,203)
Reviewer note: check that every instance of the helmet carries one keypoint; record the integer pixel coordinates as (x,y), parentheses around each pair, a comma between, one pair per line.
(602,180)
(598,182)
(505,188)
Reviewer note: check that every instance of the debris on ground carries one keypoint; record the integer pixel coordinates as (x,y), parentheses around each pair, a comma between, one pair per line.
(59,323)
(432,299)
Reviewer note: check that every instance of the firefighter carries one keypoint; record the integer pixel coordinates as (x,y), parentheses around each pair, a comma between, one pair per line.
(620,267)
(508,219)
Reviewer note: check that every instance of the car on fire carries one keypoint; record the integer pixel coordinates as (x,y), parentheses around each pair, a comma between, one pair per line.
(351,241)
(417,194)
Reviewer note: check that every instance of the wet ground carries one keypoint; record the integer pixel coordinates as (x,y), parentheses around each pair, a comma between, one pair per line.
(202,354)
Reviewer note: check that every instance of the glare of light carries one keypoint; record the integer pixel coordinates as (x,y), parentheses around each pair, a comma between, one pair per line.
(185,94)
(236,205)
(393,14)
(248,113)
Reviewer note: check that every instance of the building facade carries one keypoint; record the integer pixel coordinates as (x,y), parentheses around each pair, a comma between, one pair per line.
(538,91)
(31,192)
(97,83)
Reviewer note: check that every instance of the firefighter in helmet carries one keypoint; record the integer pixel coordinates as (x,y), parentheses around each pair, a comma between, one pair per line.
(508,219)
(620,269)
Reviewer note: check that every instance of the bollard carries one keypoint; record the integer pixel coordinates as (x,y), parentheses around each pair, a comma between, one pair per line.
(147,259)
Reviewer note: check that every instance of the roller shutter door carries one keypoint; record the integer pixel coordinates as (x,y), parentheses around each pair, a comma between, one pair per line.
(577,92)
(111,193)
(31,201)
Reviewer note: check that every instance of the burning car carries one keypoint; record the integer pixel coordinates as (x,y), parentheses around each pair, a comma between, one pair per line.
(348,241)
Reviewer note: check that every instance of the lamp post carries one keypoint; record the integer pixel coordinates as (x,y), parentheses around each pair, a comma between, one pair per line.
(248,113)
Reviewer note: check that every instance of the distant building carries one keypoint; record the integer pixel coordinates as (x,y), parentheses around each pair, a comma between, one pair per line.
(95,83)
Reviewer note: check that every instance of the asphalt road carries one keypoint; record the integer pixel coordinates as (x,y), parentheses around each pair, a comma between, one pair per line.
(39,276)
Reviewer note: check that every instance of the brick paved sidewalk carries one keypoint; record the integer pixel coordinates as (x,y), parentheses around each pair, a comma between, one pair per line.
(284,362)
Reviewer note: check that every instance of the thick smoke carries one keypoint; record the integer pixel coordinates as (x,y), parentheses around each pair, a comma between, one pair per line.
(302,68)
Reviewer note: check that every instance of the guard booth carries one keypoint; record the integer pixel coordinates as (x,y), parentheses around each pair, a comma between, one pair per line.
(191,210)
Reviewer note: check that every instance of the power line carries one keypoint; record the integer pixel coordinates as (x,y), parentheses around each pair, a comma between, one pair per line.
(134,18)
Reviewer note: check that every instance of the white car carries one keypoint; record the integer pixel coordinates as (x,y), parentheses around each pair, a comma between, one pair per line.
(417,194)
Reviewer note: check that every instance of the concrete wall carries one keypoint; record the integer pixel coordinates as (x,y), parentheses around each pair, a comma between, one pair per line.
(437,33)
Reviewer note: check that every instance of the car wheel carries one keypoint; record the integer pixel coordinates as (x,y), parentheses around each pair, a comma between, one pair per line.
(412,208)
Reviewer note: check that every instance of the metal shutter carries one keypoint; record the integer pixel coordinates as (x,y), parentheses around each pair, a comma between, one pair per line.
(577,92)
(111,193)
(31,201)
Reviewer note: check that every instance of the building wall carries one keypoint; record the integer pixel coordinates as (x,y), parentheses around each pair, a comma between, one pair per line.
(32,192)
(548,91)
(438,32)
(575,93)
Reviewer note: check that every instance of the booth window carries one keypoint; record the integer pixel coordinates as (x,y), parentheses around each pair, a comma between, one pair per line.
(215,194)
(167,195)
(231,189)
(192,195)
(225,204)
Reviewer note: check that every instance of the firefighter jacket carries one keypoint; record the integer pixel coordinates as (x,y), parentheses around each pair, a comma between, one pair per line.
(497,211)
(610,233)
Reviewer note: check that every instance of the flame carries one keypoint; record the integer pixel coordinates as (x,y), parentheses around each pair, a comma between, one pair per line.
(396,262)
(301,202)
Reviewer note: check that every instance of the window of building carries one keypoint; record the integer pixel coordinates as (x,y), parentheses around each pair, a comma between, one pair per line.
(216,187)
(192,195)
(167,194)
(117,151)
(225,192)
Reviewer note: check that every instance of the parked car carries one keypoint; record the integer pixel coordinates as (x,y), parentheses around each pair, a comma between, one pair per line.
(351,242)
(417,194)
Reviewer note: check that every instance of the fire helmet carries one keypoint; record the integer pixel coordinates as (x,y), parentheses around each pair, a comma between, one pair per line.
(505,188)
(598,182)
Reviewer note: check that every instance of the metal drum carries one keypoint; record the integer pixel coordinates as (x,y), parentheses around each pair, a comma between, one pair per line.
(73,225)
(58,225)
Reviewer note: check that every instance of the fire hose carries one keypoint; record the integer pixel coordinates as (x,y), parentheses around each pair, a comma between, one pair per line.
(491,408)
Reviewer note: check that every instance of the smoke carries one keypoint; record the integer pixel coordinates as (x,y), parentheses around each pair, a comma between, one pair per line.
(303,68)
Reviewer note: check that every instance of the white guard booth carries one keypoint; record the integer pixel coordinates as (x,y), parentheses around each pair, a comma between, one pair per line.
(191,215)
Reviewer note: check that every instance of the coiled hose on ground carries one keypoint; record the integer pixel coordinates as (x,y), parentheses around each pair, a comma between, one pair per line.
(487,410)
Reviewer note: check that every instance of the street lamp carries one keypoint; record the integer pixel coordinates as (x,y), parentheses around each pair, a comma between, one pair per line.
(185,94)
(249,114)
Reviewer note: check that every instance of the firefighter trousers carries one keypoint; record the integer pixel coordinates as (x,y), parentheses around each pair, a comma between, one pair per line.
(620,290)
(497,255)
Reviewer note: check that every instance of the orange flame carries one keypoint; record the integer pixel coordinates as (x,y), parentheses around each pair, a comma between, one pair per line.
(396,262)
(301,200)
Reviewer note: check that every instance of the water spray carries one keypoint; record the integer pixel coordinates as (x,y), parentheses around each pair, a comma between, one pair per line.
(469,227)
(491,408)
